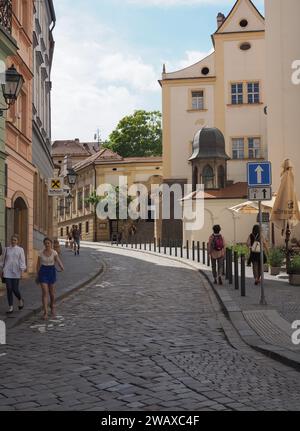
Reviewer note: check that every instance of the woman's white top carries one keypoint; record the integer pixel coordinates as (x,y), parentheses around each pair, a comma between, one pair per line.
(48,260)
(13,262)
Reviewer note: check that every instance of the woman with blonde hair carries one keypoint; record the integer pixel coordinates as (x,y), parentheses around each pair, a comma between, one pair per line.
(47,275)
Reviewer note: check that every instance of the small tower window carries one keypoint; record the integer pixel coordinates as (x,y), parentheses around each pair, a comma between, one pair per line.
(208,177)
(243,23)
(245,46)
(205,71)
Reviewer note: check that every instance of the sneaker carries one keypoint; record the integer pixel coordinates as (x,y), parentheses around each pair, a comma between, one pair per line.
(10,310)
(21,304)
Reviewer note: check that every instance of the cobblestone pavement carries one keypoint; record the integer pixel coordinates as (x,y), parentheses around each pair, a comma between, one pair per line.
(148,335)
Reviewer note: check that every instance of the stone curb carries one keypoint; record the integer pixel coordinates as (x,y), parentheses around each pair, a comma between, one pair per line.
(234,313)
(74,288)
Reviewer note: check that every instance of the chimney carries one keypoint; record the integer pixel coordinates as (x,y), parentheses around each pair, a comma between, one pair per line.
(220,19)
(66,165)
(77,141)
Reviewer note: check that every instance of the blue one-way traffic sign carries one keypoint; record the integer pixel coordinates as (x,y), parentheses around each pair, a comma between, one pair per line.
(259,174)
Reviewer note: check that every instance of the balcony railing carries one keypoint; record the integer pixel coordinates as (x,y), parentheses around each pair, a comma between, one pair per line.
(6,14)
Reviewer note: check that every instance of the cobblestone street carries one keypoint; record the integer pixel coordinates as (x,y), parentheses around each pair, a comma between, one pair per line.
(147,335)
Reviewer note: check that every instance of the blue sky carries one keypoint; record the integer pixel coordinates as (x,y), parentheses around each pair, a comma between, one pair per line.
(109,56)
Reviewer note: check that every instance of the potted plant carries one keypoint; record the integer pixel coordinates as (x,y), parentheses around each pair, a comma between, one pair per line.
(294,271)
(276,259)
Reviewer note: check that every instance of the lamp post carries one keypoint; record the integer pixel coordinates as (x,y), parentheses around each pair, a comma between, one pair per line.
(11,88)
(72,177)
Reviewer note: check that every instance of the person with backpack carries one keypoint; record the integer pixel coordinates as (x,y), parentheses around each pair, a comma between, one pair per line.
(254,246)
(216,250)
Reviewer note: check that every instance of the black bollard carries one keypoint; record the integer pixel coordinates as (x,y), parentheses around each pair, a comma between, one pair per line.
(208,255)
(171,245)
(165,247)
(150,245)
(198,251)
(176,251)
(203,253)
(227,264)
(236,270)
(154,245)
(181,250)
(193,248)
(243,275)
(159,246)
(230,274)
(187,250)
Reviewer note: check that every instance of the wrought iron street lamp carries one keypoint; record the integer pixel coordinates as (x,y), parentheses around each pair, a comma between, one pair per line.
(72,177)
(11,88)
(69,199)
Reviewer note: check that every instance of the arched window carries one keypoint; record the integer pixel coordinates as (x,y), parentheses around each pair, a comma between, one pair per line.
(208,177)
(195,179)
(221,177)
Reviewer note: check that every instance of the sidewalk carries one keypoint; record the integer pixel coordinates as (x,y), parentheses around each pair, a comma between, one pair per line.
(79,270)
(265,328)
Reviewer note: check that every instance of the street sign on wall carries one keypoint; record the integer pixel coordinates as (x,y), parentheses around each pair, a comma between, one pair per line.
(259,174)
(260,193)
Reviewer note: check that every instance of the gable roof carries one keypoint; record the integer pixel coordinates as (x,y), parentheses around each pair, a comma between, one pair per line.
(102,156)
(73,148)
(233,11)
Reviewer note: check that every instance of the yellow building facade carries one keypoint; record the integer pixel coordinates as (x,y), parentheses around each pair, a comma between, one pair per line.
(224,91)
(106,167)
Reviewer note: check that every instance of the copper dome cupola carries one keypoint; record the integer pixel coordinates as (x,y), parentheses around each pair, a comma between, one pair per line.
(209,143)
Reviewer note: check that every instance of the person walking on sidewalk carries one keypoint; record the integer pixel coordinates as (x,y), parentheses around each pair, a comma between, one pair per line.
(46,271)
(76,238)
(216,250)
(253,243)
(13,265)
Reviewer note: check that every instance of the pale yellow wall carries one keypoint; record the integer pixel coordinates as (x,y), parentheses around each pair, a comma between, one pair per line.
(283,97)
(235,227)
(243,10)
(228,64)
(185,124)
(247,120)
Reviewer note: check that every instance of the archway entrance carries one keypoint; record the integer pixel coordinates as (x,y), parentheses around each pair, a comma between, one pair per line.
(21,222)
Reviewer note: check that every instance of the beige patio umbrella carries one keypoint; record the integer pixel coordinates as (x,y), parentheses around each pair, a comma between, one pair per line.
(285,213)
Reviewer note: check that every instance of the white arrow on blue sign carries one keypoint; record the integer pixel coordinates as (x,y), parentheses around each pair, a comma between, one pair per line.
(259,174)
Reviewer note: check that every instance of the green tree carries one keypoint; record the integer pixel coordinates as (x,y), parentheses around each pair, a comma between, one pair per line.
(138,135)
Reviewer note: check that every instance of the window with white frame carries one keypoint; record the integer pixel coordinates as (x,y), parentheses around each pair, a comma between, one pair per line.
(237,94)
(198,100)
(238,148)
(254,148)
(253,92)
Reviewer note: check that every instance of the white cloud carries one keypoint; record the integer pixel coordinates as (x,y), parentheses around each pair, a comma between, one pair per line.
(96,80)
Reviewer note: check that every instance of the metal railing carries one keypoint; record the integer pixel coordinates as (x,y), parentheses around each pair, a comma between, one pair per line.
(6,14)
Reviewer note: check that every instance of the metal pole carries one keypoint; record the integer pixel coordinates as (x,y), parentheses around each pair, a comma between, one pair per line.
(187,250)
(198,251)
(154,245)
(262,294)
(230,275)
(243,275)
(236,270)
(203,253)
(208,255)
(227,264)
(159,245)
(176,251)
(193,251)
